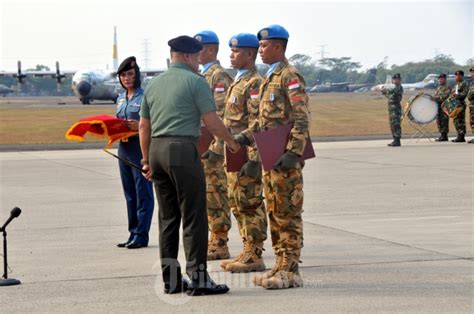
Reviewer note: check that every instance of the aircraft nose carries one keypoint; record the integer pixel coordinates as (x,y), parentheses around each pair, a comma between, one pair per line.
(83,88)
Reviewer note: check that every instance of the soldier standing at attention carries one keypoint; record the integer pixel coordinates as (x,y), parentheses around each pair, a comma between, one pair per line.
(283,100)
(245,187)
(470,97)
(441,94)
(394,96)
(173,106)
(218,210)
(459,92)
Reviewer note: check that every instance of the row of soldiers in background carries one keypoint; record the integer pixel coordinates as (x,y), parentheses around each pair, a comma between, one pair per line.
(247,103)
(459,92)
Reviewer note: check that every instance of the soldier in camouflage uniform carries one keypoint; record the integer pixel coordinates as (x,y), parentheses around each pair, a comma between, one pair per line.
(470,97)
(441,94)
(459,92)
(218,210)
(283,100)
(245,187)
(394,96)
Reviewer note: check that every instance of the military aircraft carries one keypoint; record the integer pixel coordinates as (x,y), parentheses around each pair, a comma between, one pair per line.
(430,81)
(87,85)
(4,90)
(342,87)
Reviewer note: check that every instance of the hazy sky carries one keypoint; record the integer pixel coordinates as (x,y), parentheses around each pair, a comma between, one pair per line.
(79,33)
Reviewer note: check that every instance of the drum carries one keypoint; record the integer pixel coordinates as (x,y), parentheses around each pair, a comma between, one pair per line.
(452,107)
(421,109)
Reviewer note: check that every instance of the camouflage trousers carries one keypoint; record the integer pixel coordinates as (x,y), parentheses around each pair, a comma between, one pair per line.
(460,121)
(442,121)
(284,194)
(218,212)
(246,203)
(394,117)
(471,117)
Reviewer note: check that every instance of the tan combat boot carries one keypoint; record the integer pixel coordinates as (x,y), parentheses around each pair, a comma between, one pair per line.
(224,263)
(217,246)
(287,276)
(257,279)
(251,259)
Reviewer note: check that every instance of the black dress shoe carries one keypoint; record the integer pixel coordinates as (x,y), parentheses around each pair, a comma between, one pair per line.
(183,287)
(208,288)
(135,245)
(124,244)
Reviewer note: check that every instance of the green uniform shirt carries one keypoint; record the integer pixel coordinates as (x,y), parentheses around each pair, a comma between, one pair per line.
(175,100)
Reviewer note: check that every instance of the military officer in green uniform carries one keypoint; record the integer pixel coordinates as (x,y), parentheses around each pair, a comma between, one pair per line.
(459,92)
(173,105)
(217,194)
(441,94)
(245,186)
(283,100)
(470,97)
(394,96)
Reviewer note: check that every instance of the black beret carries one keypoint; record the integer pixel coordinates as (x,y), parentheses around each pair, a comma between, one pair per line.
(442,75)
(185,44)
(471,69)
(459,72)
(396,76)
(127,64)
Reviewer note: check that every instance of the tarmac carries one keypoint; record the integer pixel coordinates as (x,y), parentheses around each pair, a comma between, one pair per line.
(386,230)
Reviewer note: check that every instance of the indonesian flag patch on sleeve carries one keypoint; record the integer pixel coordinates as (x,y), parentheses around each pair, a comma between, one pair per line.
(294,84)
(219,88)
(253,95)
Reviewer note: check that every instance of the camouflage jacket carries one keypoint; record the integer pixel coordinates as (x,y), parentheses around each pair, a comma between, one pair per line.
(283,100)
(241,107)
(459,91)
(394,95)
(442,93)
(470,94)
(219,81)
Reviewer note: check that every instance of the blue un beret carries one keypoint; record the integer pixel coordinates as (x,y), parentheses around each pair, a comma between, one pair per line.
(185,44)
(207,37)
(273,32)
(243,40)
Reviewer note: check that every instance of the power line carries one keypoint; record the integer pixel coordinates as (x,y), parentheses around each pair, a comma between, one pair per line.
(146,53)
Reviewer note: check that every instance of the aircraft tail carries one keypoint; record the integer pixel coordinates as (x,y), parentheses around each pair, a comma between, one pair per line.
(114,51)
(388,80)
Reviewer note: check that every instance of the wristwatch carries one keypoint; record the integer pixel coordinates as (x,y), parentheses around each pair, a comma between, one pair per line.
(144,162)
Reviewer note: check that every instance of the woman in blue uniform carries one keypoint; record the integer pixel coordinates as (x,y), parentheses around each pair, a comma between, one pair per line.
(138,190)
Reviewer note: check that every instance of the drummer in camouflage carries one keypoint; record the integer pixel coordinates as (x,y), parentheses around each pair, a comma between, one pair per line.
(283,100)
(441,94)
(218,210)
(245,187)
(470,97)
(394,96)
(459,92)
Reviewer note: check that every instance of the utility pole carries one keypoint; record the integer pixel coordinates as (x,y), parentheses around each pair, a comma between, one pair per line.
(322,51)
(146,53)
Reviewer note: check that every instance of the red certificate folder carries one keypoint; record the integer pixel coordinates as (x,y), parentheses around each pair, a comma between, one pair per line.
(204,140)
(235,161)
(271,145)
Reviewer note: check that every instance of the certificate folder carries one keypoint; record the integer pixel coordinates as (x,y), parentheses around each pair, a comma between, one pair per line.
(272,143)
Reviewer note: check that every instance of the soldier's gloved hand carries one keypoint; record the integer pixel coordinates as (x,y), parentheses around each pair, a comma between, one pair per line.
(210,156)
(287,161)
(242,139)
(251,169)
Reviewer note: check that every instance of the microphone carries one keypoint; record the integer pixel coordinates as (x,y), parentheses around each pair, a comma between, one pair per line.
(15,212)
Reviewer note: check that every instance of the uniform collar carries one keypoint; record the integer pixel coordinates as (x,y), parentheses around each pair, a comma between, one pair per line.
(180,66)
(207,66)
(277,67)
(240,73)
(137,92)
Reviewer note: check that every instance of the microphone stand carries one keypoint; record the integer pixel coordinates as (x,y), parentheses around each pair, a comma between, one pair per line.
(6,281)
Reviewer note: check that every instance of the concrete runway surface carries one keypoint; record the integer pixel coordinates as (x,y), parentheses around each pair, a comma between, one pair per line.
(386,230)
